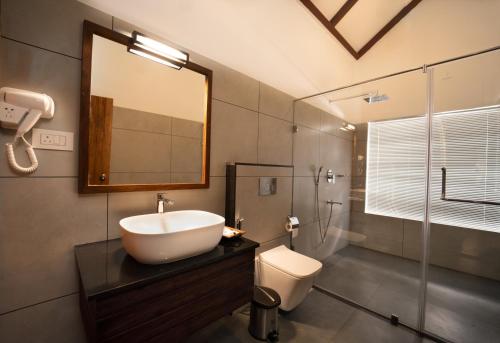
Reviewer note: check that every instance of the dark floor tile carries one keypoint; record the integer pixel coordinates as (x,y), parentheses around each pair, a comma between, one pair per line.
(363,327)
(388,301)
(321,312)
(350,285)
(461,307)
(460,327)
(317,319)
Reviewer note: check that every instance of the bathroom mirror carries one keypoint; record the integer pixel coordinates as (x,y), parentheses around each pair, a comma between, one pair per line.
(145,123)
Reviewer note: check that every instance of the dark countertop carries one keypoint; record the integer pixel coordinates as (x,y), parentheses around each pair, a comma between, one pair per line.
(105,267)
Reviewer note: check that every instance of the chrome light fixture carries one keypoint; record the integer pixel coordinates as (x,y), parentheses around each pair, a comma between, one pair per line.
(347,127)
(149,48)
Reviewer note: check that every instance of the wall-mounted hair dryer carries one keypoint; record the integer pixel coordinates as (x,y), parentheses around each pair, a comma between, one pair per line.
(21,109)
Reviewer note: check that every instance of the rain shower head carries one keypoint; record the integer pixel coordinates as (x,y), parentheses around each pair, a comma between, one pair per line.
(371,99)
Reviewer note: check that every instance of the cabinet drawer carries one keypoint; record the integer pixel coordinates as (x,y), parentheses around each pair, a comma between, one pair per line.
(176,306)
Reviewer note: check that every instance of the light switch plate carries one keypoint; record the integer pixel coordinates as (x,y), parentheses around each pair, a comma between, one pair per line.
(52,140)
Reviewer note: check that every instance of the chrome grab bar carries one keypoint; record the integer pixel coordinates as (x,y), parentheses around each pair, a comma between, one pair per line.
(444,198)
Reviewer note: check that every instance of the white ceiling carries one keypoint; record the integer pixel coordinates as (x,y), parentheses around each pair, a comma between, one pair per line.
(279,42)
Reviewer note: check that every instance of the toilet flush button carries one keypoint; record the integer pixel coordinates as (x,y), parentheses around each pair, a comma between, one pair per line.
(267,186)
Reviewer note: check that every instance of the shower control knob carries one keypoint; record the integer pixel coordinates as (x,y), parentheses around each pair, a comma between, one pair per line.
(330,176)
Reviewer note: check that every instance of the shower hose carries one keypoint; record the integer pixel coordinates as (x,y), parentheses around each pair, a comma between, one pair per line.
(322,232)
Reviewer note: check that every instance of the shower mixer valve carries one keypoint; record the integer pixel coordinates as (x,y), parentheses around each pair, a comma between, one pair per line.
(330,176)
(331,202)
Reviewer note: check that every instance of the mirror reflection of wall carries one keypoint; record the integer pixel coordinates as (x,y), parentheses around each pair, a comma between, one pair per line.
(156,117)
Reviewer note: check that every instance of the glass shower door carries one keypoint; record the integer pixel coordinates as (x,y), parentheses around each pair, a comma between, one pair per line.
(374,259)
(463,289)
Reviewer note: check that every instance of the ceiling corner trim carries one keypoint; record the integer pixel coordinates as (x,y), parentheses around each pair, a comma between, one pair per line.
(330,24)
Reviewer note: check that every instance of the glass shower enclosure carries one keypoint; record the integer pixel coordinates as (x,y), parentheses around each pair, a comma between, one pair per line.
(423,236)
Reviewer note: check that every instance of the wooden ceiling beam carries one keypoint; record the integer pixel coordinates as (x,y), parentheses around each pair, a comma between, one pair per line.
(346,7)
(388,26)
(326,23)
(330,24)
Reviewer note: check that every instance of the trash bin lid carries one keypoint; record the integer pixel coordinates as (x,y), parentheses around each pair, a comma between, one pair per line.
(265,297)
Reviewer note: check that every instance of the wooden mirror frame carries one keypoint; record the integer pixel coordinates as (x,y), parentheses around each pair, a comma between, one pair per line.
(89,30)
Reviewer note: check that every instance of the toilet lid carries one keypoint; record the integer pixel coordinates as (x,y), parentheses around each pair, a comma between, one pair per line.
(290,262)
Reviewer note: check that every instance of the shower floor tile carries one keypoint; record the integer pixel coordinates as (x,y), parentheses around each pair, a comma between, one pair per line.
(461,307)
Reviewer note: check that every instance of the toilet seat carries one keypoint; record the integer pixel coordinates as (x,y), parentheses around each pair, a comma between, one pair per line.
(290,262)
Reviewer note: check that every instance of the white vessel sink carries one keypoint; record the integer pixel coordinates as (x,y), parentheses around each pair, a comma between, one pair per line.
(170,236)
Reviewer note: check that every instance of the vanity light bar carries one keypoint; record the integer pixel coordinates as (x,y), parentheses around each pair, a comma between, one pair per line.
(153,57)
(172,55)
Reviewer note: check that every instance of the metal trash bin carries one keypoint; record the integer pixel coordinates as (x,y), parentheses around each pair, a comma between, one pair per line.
(264,314)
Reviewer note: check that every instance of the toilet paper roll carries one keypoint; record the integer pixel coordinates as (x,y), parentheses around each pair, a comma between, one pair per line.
(292,226)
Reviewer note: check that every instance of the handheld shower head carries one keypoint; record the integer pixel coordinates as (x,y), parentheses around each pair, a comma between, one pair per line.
(318,175)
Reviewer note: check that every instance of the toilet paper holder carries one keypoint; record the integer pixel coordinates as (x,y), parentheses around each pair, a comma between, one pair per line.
(292,227)
(292,223)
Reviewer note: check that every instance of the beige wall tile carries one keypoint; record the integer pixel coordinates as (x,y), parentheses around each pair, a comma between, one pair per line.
(51,24)
(42,220)
(275,103)
(127,118)
(186,178)
(137,151)
(307,115)
(388,246)
(56,321)
(470,251)
(186,155)
(359,158)
(26,67)
(412,239)
(303,199)
(306,151)
(308,240)
(234,136)
(187,128)
(275,141)
(336,237)
(331,124)
(250,170)
(335,154)
(384,234)
(127,178)
(121,205)
(265,216)
(338,191)
(283,240)
(234,87)
(230,85)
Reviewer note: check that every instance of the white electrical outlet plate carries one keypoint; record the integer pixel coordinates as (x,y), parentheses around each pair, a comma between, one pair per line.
(52,140)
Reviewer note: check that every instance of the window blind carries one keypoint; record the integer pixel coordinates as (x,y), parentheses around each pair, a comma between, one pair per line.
(466,143)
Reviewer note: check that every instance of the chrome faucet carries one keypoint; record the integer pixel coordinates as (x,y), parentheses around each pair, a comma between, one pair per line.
(162,202)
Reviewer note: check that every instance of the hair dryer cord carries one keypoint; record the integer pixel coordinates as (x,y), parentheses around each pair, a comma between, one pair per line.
(11,158)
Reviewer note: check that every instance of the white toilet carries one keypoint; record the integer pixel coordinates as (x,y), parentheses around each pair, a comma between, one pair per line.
(287,272)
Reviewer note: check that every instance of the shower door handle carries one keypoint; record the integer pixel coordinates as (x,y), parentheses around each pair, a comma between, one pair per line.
(444,198)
